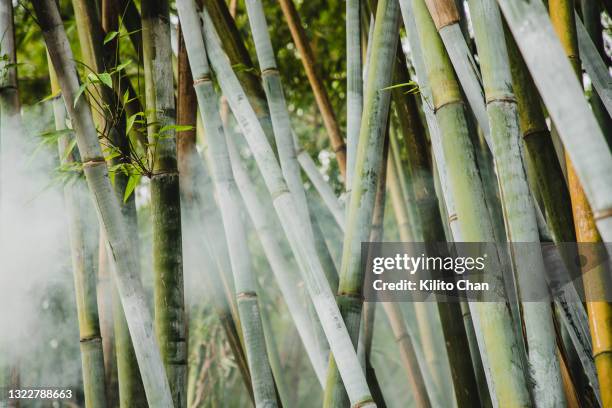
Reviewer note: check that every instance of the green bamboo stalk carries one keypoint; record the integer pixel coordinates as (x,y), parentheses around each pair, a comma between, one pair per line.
(165,196)
(227,193)
(366,335)
(367,171)
(521,224)
(90,32)
(261,217)
(303,250)
(82,254)
(551,188)
(564,98)
(316,83)
(497,338)
(131,389)
(448,209)
(130,289)
(354,85)
(447,19)
(428,219)
(551,185)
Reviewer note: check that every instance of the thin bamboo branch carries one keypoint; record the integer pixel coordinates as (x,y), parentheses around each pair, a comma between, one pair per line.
(316,83)
(130,289)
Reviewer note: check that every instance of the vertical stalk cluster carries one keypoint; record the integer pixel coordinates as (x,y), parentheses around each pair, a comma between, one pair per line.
(496,338)
(227,193)
(109,212)
(519,212)
(285,206)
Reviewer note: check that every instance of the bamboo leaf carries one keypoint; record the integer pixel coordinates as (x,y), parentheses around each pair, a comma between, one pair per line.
(131,186)
(110,36)
(79,93)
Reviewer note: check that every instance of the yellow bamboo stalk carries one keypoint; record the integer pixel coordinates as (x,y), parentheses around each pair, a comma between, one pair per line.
(595,281)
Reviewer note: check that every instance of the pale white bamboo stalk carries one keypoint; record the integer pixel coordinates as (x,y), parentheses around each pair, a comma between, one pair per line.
(323,188)
(128,283)
(282,268)
(354,86)
(304,251)
(228,197)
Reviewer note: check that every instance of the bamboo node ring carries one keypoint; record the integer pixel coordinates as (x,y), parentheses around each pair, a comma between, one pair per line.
(246,295)
(270,71)
(205,78)
(94,161)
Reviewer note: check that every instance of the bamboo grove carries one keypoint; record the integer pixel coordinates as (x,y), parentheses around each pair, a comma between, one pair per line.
(219,165)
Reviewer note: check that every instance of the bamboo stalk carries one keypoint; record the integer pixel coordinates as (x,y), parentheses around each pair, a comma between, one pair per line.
(165,197)
(131,389)
(354,85)
(281,122)
(281,267)
(497,339)
(303,250)
(448,208)
(322,187)
(563,96)
(130,289)
(227,193)
(9,93)
(591,15)
(215,249)
(194,186)
(519,214)
(596,281)
(239,55)
(366,336)
(595,66)
(82,254)
(320,93)
(447,19)
(367,171)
